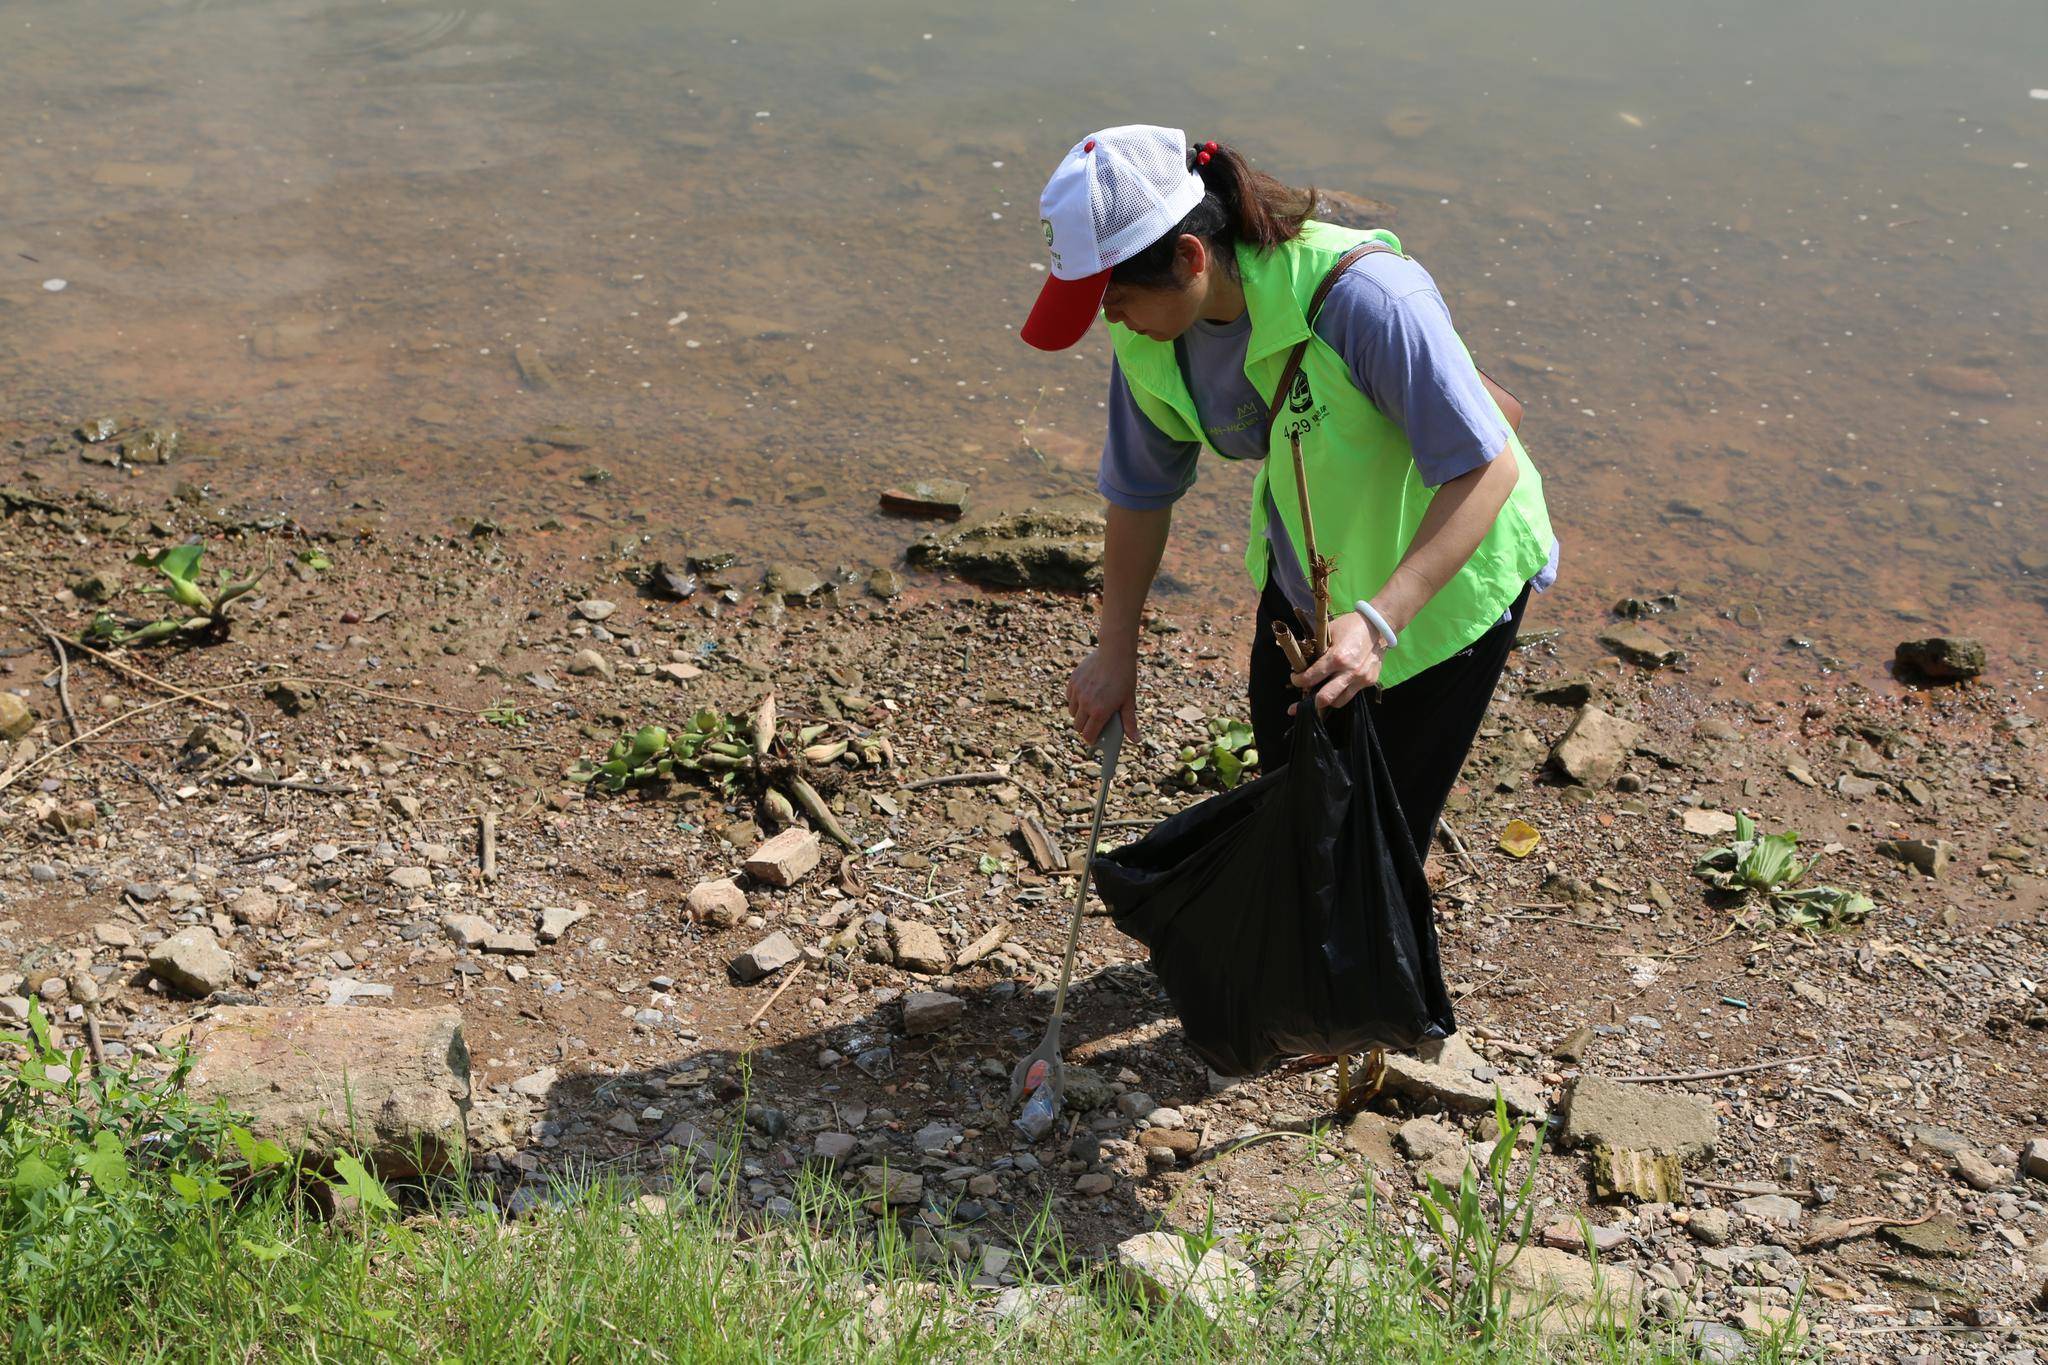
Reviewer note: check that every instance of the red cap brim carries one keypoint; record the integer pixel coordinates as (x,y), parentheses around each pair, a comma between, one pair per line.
(1064,311)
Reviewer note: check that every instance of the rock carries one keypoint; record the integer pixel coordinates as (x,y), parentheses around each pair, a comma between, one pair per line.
(1421,1139)
(918,947)
(557,920)
(892,1186)
(1569,1293)
(1965,381)
(765,958)
(2034,1159)
(1711,823)
(1711,1227)
(1572,692)
(596,609)
(1648,1177)
(792,583)
(834,1148)
(390,1085)
(468,931)
(192,961)
(535,1085)
(511,944)
(1457,1088)
(411,878)
(1352,210)
(983,946)
(1929,856)
(945,499)
(1053,545)
(1981,1173)
(1086,1090)
(719,903)
(1599,1110)
(1093,1184)
(585,663)
(885,583)
(1595,747)
(1935,1138)
(1176,1143)
(1939,658)
(535,373)
(255,908)
(1716,1343)
(1639,645)
(1408,124)
(784,859)
(1162,1269)
(1771,1319)
(1775,1209)
(1940,1236)
(1572,1235)
(930,1012)
(16,717)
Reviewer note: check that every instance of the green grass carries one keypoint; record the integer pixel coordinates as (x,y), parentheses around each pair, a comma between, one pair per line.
(135,1226)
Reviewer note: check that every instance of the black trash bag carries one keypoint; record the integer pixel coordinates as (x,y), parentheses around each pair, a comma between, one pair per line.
(1289,917)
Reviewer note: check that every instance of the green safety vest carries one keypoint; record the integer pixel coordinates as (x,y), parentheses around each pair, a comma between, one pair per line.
(1366,493)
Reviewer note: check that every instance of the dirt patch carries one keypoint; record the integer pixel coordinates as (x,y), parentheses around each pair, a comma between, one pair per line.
(379,695)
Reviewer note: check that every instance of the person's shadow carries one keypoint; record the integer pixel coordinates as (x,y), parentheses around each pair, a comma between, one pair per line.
(932,1109)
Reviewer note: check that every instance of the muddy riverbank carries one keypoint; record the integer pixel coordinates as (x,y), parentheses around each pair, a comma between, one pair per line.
(308,792)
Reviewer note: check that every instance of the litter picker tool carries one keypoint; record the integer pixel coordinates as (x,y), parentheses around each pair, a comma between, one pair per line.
(1041,1074)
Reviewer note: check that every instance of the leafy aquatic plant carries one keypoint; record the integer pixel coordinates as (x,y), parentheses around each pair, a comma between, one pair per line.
(1765,869)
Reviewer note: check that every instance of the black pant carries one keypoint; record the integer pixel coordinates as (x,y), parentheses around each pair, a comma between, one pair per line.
(1426,724)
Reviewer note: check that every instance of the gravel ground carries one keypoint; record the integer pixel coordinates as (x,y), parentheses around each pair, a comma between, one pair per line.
(320,812)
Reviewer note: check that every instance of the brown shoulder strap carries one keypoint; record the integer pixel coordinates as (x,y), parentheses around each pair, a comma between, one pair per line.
(1315,306)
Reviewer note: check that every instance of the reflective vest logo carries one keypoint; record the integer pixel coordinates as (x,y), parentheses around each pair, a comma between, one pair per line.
(1299,398)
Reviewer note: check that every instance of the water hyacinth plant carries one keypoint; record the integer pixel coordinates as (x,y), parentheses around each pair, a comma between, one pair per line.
(1227,756)
(1765,870)
(205,609)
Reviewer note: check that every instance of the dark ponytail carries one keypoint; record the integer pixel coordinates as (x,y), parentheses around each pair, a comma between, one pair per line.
(1242,205)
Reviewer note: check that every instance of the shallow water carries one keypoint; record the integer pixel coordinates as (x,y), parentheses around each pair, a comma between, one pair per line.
(1770,277)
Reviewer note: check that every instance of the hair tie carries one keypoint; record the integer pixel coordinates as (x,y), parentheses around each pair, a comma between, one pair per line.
(1202,154)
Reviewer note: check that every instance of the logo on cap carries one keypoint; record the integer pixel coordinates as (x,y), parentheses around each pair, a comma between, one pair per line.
(1046,223)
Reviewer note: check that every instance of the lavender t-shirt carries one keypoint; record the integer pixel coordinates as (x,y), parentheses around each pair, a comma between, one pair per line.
(1386,318)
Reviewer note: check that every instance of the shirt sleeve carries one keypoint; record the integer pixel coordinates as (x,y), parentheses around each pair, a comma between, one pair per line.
(1143,468)
(1391,325)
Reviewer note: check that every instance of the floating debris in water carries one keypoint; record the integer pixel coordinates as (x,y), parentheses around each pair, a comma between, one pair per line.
(2037,94)
(1630,119)
(55,286)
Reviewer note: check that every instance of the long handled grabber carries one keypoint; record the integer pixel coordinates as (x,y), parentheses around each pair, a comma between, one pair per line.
(1040,1073)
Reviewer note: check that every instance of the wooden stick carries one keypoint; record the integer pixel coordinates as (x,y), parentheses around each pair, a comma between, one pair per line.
(487,838)
(1718,1072)
(787,982)
(958,780)
(93,1045)
(1848,1229)
(1457,845)
(256,779)
(63,679)
(1318,567)
(43,760)
(1290,646)
(135,672)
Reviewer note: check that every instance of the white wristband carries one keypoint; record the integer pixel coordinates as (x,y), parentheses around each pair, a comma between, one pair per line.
(1379,624)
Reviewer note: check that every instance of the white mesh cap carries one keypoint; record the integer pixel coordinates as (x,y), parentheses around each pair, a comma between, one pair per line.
(1115,194)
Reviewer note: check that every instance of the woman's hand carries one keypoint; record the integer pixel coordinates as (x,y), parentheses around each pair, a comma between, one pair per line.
(1104,684)
(1349,666)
